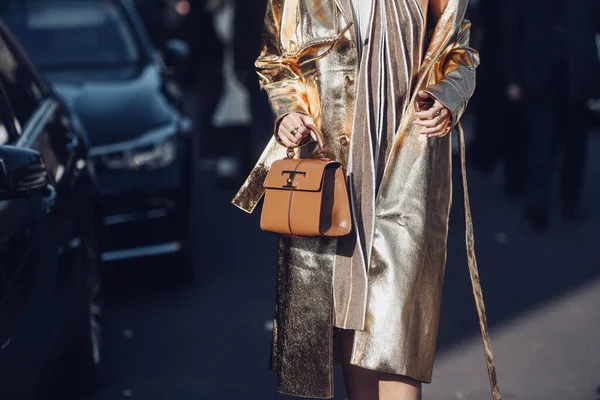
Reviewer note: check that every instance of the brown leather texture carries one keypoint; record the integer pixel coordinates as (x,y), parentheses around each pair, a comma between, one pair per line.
(305,198)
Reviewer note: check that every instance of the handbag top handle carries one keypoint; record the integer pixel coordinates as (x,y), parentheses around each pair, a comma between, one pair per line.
(291,153)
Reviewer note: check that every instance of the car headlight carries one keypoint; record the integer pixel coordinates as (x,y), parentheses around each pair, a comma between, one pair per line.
(155,149)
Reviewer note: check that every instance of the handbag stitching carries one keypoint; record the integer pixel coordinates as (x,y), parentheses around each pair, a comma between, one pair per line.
(292,201)
(290,213)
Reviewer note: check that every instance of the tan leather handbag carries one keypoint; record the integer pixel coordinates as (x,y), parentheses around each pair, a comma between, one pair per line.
(306,197)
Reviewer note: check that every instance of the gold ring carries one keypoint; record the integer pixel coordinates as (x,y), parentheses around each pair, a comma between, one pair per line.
(295,130)
(438,119)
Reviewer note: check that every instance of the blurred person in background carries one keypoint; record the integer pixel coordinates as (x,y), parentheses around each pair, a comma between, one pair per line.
(499,132)
(485,148)
(193,22)
(552,69)
(205,72)
(248,27)
(153,14)
(205,75)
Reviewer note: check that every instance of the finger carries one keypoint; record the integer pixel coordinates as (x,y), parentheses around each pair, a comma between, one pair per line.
(286,142)
(427,114)
(445,131)
(427,123)
(294,118)
(306,119)
(423,95)
(437,109)
(423,101)
(284,133)
(435,129)
(436,120)
(286,126)
(438,134)
(301,133)
(286,137)
(298,136)
(291,122)
(293,132)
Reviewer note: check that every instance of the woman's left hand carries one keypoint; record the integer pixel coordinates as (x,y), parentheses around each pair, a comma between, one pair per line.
(436,120)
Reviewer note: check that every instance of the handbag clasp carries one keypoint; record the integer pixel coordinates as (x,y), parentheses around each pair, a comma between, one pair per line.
(289,181)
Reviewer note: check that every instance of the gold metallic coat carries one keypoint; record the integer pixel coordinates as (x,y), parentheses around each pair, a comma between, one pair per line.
(385,281)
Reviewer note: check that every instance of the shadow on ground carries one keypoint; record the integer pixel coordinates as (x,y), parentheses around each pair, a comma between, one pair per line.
(211,338)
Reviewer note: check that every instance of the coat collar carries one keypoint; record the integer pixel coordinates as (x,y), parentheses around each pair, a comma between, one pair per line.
(346,9)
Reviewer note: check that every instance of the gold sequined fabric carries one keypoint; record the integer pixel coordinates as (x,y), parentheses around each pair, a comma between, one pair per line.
(385,281)
(303,343)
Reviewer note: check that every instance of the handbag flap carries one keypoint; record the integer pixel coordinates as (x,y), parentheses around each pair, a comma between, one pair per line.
(297,174)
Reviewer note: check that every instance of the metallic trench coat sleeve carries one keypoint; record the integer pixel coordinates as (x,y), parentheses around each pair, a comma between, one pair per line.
(453,83)
(309,64)
(296,65)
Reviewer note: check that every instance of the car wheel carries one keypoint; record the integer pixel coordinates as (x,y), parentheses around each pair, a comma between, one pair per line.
(82,373)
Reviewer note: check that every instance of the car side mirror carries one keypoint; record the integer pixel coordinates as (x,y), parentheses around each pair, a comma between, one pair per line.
(176,53)
(22,173)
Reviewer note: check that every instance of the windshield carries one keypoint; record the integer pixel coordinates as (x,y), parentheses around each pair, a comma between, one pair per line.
(73,34)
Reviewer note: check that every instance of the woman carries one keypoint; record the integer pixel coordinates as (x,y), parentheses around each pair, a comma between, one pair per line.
(385,95)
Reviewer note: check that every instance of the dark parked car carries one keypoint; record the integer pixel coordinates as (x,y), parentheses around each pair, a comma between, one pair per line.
(49,282)
(99,59)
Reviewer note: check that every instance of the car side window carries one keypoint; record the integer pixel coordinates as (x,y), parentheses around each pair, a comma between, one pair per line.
(19,83)
(8,133)
(4,136)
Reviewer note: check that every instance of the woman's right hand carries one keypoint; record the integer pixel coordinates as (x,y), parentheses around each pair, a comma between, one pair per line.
(292,129)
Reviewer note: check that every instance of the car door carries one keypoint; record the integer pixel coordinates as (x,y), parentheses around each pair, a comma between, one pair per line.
(28,255)
(36,234)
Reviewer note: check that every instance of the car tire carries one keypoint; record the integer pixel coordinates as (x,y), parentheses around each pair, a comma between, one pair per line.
(82,374)
(82,368)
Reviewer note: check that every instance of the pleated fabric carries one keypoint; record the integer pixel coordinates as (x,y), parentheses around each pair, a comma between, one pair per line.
(388,69)
(390,61)
(404,293)
(361,10)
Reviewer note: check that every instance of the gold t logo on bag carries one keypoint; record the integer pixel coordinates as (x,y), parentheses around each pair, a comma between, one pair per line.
(291,178)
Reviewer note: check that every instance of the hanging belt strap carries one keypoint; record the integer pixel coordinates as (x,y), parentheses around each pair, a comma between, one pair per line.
(477,293)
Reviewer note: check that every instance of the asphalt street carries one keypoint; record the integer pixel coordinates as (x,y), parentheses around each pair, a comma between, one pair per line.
(210,339)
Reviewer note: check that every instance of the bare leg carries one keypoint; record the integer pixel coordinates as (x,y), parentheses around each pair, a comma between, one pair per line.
(361,383)
(397,387)
(364,384)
